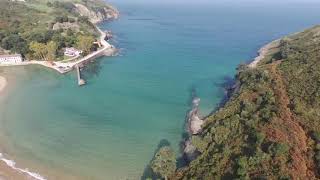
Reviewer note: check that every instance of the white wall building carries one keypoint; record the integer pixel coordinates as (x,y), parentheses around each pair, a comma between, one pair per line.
(72,52)
(10,59)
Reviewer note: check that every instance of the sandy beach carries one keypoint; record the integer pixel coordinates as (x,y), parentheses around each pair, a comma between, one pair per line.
(7,173)
(3,83)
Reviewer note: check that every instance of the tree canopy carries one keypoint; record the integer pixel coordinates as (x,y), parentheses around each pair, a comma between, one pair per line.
(85,43)
(164,162)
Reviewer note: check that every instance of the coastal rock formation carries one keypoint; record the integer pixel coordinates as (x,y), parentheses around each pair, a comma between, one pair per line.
(96,16)
(269,128)
(194,121)
(190,151)
(66,25)
(263,52)
(194,126)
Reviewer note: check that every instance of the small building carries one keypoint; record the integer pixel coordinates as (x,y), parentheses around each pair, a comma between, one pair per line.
(11,59)
(72,52)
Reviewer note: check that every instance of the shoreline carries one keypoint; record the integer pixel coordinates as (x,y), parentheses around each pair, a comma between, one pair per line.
(262,53)
(65,67)
(193,115)
(194,122)
(8,167)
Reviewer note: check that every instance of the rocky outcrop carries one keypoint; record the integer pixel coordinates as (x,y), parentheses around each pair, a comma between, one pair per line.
(66,25)
(98,15)
(194,127)
(194,121)
(190,151)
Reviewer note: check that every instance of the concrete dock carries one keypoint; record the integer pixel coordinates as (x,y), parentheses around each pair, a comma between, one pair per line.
(81,81)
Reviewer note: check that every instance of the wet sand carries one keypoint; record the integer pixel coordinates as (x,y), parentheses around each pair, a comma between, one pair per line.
(7,173)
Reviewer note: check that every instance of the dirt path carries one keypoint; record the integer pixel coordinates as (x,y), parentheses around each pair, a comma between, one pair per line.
(291,129)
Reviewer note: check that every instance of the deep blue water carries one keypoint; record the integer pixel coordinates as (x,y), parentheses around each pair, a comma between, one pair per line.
(110,128)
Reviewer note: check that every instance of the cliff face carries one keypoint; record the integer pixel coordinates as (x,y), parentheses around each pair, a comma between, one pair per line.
(97,15)
(270,128)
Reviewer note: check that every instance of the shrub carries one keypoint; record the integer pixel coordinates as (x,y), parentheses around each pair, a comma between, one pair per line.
(242,164)
(199,143)
(49,4)
(62,19)
(279,149)
(316,136)
(260,138)
(83,19)
(65,5)
(317,156)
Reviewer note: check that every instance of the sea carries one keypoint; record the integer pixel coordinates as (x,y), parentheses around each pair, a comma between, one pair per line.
(169,51)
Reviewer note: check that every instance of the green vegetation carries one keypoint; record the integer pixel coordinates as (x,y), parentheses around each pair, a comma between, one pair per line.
(44,51)
(85,43)
(270,127)
(164,162)
(53,23)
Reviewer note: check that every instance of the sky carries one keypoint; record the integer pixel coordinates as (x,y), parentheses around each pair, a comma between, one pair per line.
(219,2)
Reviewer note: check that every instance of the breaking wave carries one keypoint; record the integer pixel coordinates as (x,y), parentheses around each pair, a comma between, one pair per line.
(12,164)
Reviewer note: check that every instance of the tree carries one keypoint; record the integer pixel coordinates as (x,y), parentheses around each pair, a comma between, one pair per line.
(52,48)
(164,162)
(85,43)
(59,39)
(15,43)
(39,50)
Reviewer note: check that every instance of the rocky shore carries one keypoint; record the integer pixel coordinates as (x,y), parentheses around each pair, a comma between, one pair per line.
(95,17)
(263,52)
(194,122)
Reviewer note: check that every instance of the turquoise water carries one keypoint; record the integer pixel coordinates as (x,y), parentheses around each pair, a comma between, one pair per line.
(110,128)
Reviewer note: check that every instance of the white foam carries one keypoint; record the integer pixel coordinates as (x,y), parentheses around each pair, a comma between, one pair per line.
(12,164)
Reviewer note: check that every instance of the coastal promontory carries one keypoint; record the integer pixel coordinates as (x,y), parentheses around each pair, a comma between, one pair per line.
(269,128)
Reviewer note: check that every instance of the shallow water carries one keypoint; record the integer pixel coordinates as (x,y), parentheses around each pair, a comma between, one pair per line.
(110,128)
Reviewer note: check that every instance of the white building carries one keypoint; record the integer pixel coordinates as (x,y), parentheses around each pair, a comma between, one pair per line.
(10,59)
(72,52)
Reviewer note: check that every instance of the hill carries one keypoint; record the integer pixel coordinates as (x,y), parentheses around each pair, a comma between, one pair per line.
(270,127)
(62,22)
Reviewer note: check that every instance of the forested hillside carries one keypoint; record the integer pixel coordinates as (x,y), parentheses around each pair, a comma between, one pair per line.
(270,128)
(63,23)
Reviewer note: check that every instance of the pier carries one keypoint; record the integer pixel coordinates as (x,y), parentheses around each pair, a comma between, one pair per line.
(81,81)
